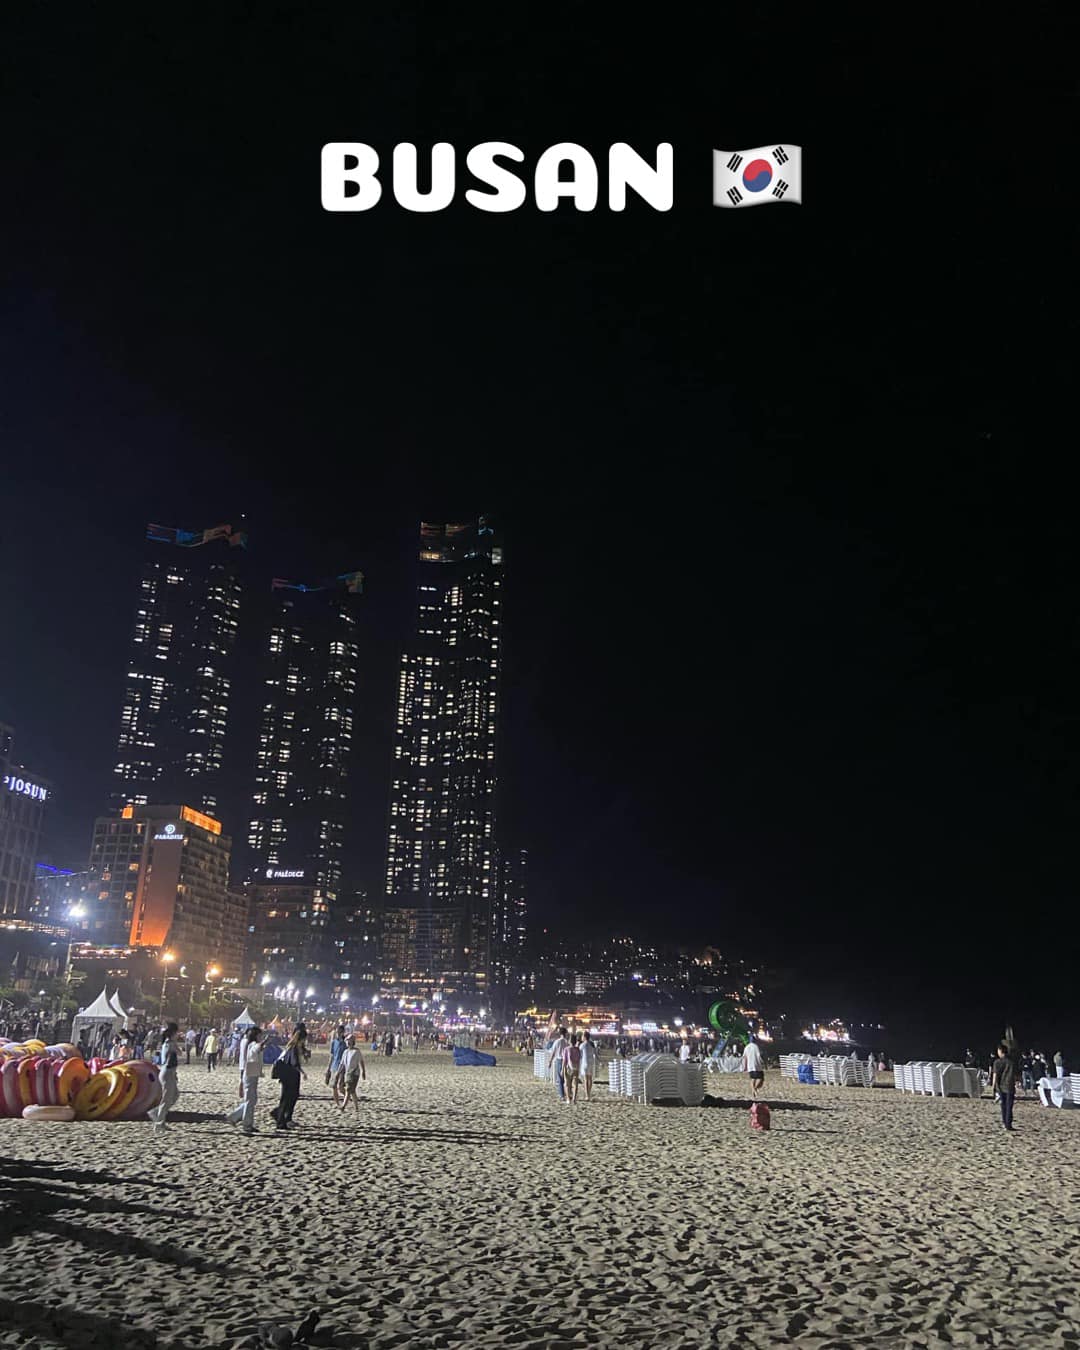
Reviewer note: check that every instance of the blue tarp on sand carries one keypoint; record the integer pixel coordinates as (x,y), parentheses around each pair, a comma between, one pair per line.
(472,1058)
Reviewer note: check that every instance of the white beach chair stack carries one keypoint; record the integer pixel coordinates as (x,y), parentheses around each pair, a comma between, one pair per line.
(692,1084)
(540,1059)
(659,1079)
(959,1081)
(937,1078)
(1074,1088)
(789,1064)
(618,1076)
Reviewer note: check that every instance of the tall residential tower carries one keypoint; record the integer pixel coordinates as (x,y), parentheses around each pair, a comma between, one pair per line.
(180,670)
(303,760)
(441,869)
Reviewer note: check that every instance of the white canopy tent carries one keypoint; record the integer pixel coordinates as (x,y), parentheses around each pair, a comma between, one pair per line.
(99,1017)
(117,1006)
(244,1020)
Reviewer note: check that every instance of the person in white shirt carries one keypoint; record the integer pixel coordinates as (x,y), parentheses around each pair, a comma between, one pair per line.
(589,1060)
(352,1070)
(754,1065)
(251,1070)
(684,1053)
(555,1060)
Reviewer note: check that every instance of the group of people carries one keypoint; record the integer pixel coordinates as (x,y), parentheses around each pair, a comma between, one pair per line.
(288,1070)
(572,1062)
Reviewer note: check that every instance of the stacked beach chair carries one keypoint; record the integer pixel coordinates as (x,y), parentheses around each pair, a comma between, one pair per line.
(692,1084)
(840,1070)
(1060,1092)
(656,1077)
(618,1074)
(789,1064)
(937,1078)
(540,1059)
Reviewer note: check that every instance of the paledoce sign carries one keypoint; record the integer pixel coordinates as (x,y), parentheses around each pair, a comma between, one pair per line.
(284,874)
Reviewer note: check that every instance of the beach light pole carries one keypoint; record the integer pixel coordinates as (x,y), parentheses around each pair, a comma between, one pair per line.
(166,960)
(76,912)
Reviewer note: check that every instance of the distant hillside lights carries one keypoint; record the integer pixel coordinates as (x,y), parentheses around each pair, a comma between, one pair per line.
(350,182)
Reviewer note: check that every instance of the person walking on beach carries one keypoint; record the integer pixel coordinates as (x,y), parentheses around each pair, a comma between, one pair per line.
(210,1049)
(251,1069)
(589,1059)
(352,1070)
(168,1058)
(290,1073)
(333,1073)
(572,1070)
(555,1060)
(1003,1081)
(1059,1064)
(754,1065)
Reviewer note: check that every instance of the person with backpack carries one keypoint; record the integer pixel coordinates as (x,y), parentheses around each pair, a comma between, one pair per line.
(572,1069)
(289,1070)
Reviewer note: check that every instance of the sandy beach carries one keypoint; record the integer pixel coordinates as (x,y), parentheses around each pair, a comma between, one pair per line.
(468,1207)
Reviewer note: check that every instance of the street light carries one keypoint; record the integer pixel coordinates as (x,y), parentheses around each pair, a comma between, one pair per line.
(166,959)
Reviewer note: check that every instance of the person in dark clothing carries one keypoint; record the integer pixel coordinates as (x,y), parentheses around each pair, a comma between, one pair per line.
(1003,1080)
(290,1074)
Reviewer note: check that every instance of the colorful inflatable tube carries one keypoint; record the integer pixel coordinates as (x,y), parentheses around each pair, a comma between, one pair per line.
(48,1113)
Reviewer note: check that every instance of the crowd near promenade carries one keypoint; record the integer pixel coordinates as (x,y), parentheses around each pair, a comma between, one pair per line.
(469,1207)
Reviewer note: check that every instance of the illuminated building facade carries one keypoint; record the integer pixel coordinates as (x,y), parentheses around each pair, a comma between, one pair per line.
(441,876)
(511,907)
(161,876)
(354,934)
(23,799)
(286,935)
(303,761)
(181,669)
(60,895)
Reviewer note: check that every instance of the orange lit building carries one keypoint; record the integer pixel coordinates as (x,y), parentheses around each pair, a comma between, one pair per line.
(160,879)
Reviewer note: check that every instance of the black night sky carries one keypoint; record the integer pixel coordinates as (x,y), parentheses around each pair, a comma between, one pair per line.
(791,659)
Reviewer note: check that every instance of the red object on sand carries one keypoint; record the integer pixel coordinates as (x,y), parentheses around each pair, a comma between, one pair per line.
(760,1116)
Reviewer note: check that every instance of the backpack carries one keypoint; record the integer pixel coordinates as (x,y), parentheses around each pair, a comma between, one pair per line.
(760,1116)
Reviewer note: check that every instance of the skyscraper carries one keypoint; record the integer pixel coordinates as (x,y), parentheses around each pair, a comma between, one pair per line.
(441,868)
(23,798)
(510,910)
(180,669)
(303,760)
